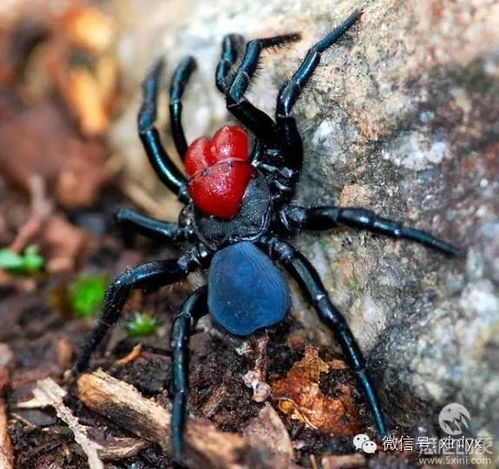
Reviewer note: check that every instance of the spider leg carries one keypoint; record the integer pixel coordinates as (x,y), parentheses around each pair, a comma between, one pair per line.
(194,307)
(324,218)
(132,222)
(231,49)
(262,125)
(301,269)
(159,159)
(180,78)
(148,276)
(288,134)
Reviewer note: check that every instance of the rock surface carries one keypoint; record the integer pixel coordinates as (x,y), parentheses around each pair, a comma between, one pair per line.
(400,117)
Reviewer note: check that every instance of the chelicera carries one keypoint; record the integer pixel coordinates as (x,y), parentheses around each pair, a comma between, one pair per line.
(238,210)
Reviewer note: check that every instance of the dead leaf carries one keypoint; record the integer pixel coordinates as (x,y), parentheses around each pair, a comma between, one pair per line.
(299,394)
(65,243)
(54,152)
(85,99)
(65,353)
(90,28)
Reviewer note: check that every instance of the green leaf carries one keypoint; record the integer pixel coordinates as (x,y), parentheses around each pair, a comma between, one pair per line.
(86,294)
(10,260)
(33,261)
(29,262)
(142,325)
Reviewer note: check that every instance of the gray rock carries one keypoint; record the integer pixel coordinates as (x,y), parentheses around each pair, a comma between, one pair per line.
(401,117)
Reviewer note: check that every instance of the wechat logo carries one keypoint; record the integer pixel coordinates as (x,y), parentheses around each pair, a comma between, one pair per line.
(362,442)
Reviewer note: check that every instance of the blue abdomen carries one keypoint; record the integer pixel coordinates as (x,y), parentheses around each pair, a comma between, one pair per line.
(246,291)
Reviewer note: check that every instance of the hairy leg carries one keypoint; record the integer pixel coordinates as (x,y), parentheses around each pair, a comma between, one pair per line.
(262,126)
(287,130)
(231,51)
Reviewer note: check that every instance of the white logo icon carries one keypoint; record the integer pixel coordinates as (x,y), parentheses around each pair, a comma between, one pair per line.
(362,441)
(454,419)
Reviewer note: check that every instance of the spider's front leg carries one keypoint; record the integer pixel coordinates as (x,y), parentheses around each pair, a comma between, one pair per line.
(301,269)
(262,126)
(194,307)
(289,137)
(169,174)
(231,50)
(132,222)
(179,81)
(327,217)
(147,276)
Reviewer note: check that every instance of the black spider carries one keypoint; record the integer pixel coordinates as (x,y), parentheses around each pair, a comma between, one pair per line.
(237,207)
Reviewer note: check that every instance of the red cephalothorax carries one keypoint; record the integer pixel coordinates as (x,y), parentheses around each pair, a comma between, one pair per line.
(219,171)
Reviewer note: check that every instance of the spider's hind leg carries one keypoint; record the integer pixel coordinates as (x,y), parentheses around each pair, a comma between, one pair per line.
(193,308)
(262,125)
(301,269)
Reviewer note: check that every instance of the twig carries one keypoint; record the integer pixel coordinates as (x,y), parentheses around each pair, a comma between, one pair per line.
(116,448)
(255,378)
(49,393)
(41,207)
(130,357)
(145,202)
(6,451)
(125,406)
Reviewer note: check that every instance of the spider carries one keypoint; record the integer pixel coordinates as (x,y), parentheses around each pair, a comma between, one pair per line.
(238,208)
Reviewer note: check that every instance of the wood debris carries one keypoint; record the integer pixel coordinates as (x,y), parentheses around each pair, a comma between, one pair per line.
(255,379)
(49,393)
(125,406)
(344,461)
(119,448)
(268,431)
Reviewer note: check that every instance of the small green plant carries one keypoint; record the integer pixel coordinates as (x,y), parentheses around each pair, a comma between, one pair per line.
(86,295)
(355,286)
(29,262)
(142,324)
(325,244)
